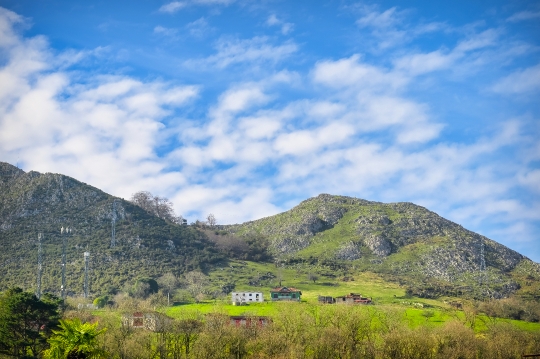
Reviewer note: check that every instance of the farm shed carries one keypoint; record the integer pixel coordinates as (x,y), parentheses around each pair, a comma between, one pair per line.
(325,299)
(353,298)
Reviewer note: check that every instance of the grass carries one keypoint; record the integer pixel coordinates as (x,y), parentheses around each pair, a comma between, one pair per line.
(414,317)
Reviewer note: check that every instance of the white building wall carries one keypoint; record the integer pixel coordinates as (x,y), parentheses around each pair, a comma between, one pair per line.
(247,297)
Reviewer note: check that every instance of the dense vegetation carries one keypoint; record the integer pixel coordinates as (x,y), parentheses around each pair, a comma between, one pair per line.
(300,330)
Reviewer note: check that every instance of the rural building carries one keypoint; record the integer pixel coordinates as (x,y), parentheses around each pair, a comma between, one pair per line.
(353,298)
(326,300)
(241,298)
(243,321)
(155,322)
(284,293)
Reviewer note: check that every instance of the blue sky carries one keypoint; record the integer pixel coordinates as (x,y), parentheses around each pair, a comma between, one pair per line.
(244,108)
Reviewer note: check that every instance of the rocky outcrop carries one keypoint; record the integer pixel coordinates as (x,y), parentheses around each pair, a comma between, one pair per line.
(350,251)
(378,245)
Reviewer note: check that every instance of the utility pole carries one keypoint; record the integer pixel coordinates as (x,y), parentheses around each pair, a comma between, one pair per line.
(113,225)
(482,264)
(40,265)
(63,289)
(86,265)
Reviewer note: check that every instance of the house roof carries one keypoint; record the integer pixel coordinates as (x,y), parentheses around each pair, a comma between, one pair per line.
(286,290)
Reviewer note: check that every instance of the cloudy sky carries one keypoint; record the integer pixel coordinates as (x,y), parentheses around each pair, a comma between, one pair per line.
(244,108)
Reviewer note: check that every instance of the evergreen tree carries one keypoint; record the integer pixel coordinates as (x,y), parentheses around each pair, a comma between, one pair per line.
(26,322)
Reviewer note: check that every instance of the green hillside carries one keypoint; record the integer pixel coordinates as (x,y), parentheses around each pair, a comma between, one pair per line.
(147,246)
(337,236)
(326,242)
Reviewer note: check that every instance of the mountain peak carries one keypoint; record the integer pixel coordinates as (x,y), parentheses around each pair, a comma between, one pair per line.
(8,172)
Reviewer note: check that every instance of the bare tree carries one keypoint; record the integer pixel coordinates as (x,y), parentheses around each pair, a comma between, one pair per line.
(158,206)
(169,282)
(196,284)
(211,220)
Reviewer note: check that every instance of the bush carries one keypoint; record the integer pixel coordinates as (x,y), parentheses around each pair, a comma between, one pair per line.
(100,302)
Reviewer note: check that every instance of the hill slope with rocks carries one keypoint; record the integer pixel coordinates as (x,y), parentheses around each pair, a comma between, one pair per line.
(146,246)
(403,241)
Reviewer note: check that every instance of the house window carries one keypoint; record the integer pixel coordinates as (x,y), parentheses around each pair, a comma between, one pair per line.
(275,295)
(293,295)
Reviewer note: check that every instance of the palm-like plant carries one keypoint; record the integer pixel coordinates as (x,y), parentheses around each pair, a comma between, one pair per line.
(75,340)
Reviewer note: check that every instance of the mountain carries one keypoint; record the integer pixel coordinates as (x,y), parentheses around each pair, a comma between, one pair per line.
(146,246)
(403,242)
(333,236)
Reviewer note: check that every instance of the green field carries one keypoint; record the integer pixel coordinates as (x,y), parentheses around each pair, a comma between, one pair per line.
(388,298)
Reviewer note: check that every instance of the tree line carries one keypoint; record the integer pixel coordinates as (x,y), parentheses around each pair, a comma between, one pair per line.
(42,328)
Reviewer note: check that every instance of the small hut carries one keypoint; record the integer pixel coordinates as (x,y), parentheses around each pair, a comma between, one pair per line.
(245,321)
(325,299)
(153,321)
(353,298)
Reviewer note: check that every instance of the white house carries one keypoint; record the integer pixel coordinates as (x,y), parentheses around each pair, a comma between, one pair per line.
(239,298)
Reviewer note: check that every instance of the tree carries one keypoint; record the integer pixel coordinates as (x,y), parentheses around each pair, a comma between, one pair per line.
(169,282)
(196,284)
(312,276)
(158,206)
(100,302)
(143,287)
(211,220)
(75,340)
(25,322)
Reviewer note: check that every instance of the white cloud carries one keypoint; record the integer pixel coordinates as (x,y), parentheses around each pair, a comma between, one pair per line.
(520,82)
(390,28)
(165,31)
(199,28)
(482,40)
(107,124)
(175,6)
(255,50)
(286,27)
(524,15)
(308,142)
(417,64)
(352,72)
(385,19)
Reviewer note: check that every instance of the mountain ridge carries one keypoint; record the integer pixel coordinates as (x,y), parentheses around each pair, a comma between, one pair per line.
(32,203)
(403,242)
(392,238)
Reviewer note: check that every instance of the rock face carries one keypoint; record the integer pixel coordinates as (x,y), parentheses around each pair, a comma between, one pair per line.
(32,203)
(378,245)
(349,251)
